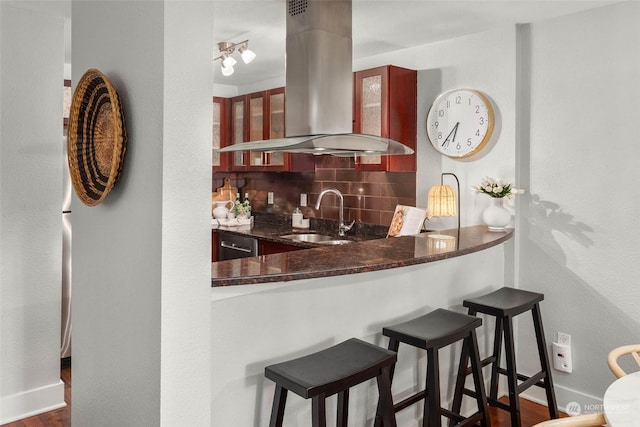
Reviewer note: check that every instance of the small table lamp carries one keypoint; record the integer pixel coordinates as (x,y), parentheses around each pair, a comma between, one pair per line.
(442,201)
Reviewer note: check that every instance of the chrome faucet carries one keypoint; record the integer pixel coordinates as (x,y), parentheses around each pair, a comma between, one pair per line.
(342,227)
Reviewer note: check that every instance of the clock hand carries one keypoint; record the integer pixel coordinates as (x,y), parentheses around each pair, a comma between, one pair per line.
(454,131)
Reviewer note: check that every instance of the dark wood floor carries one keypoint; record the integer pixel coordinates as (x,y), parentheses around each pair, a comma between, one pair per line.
(532,413)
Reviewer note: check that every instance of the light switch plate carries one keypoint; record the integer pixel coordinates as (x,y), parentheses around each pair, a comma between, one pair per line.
(303,199)
(269,197)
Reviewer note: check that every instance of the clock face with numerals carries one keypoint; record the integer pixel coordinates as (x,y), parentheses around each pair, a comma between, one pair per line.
(460,122)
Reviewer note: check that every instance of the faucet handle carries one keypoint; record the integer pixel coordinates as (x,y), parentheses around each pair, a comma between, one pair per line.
(346,227)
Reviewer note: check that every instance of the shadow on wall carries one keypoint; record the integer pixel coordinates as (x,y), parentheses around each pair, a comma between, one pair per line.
(572,304)
(546,216)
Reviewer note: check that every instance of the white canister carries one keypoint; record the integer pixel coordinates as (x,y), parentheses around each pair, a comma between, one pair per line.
(296,218)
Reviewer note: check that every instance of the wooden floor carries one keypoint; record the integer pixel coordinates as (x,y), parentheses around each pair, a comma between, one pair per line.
(532,413)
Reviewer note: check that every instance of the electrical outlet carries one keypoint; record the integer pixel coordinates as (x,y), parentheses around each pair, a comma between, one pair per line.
(269,198)
(564,339)
(303,199)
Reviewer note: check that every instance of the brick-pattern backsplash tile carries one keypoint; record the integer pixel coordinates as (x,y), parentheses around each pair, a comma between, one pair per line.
(369,197)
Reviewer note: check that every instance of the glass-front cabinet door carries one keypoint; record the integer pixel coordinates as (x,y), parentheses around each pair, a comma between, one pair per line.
(385,105)
(370,107)
(219,161)
(238,130)
(266,121)
(256,126)
(255,117)
(276,125)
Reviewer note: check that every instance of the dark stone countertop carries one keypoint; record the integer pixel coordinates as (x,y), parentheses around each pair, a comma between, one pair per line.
(379,253)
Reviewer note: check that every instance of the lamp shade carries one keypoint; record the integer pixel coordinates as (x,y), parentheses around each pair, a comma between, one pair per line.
(441,201)
(247,54)
(228,61)
(226,71)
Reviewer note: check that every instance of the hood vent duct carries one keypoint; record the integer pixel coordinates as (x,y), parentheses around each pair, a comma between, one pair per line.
(319,86)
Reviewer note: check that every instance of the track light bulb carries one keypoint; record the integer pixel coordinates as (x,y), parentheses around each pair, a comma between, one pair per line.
(226,71)
(228,61)
(247,54)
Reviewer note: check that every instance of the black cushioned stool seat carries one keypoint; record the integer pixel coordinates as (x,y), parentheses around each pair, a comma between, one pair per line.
(330,371)
(504,304)
(431,332)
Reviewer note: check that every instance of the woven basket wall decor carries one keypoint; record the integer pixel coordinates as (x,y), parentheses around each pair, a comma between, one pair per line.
(96,138)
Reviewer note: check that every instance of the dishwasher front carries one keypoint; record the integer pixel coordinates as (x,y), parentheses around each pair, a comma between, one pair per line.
(233,246)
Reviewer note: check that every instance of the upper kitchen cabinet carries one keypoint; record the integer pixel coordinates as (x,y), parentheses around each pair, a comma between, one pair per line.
(239,131)
(220,161)
(259,116)
(385,104)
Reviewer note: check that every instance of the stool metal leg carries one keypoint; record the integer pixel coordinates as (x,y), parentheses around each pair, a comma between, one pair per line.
(544,362)
(512,377)
(343,408)
(432,408)
(385,404)
(319,411)
(277,410)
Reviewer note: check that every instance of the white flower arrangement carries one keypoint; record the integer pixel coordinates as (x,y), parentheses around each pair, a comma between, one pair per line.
(497,189)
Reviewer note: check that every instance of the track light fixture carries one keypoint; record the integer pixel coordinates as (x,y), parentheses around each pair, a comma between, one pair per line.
(227,61)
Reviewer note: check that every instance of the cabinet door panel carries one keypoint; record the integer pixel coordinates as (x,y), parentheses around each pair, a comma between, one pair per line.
(385,105)
(238,130)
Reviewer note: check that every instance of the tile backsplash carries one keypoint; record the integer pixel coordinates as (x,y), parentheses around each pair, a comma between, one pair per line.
(369,197)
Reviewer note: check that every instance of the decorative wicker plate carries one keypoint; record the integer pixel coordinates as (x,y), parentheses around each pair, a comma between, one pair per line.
(96,138)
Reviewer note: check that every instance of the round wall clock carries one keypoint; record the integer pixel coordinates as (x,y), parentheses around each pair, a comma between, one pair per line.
(460,122)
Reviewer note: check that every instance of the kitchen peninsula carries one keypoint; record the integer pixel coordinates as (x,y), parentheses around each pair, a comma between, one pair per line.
(272,308)
(356,257)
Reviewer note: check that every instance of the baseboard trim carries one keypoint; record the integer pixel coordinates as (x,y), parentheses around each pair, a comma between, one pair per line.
(32,402)
(566,396)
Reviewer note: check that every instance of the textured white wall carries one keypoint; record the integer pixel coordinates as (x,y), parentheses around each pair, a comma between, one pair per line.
(186,214)
(31,147)
(579,223)
(141,258)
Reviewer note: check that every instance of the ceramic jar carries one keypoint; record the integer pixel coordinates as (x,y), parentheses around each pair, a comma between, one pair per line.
(496,216)
(221,210)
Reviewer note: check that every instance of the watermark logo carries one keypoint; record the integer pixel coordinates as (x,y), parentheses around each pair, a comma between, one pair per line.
(573,408)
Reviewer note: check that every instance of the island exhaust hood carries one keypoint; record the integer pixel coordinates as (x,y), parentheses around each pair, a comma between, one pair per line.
(319,87)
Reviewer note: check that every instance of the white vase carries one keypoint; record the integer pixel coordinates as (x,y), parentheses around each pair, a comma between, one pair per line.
(496,216)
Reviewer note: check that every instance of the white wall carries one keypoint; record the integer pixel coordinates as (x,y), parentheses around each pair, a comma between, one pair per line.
(579,224)
(141,258)
(31,147)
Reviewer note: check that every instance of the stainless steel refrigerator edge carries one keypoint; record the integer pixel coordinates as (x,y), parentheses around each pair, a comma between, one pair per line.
(65,337)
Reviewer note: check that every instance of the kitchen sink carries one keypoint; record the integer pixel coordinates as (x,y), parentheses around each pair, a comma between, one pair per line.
(323,239)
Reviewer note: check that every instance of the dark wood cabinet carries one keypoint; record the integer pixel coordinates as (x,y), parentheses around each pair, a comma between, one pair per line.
(214,246)
(385,104)
(220,161)
(238,131)
(259,116)
(267,248)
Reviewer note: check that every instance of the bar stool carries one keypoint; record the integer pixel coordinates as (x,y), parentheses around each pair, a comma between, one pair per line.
(504,304)
(330,371)
(432,332)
